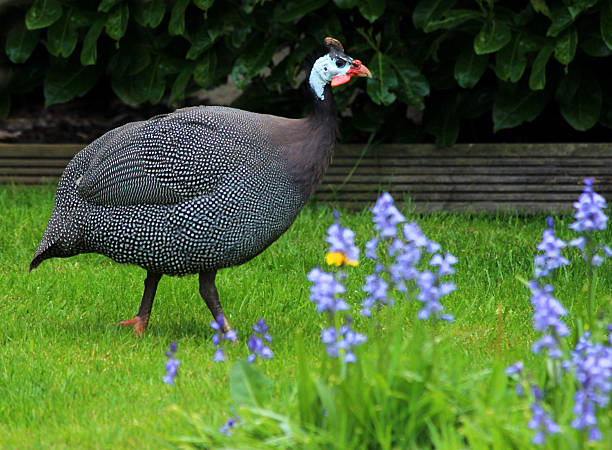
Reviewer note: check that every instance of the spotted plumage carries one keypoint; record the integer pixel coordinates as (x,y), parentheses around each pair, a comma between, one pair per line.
(194,191)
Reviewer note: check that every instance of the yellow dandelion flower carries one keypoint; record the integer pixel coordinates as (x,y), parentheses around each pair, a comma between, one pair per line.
(338,259)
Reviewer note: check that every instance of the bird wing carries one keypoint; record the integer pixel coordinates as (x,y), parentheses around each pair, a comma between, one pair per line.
(170,158)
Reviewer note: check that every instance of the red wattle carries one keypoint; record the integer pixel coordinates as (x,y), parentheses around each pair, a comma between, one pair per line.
(340,79)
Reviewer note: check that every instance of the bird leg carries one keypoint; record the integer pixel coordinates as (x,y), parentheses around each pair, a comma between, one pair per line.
(209,293)
(141,320)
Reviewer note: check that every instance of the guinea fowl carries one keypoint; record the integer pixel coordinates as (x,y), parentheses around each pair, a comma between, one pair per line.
(196,190)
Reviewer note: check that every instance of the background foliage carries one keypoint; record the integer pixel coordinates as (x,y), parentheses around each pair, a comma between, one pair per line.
(444,69)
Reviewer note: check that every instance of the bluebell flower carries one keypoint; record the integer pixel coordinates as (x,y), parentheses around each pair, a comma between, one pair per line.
(221,336)
(551,258)
(228,426)
(342,249)
(593,368)
(547,319)
(324,291)
(372,248)
(329,337)
(376,287)
(386,216)
(404,269)
(542,423)
(430,292)
(412,233)
(350,340)
(344,339)
(256,344)
(172,365)
(589,213)
(444,263)
(515,368)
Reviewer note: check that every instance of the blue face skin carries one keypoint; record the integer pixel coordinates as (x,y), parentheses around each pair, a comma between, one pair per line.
(327,67)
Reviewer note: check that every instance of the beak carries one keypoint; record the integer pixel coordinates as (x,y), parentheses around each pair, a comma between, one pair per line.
(357,70)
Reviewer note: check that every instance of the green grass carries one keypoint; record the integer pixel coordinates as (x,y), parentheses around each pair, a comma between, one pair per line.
(70,377)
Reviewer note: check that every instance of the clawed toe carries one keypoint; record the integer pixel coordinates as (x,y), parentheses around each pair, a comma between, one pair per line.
(140,325)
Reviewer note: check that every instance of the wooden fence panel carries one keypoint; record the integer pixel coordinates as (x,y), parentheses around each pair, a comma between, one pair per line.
(466,177)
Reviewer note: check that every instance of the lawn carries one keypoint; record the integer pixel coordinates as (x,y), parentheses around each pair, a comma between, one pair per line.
(70,377)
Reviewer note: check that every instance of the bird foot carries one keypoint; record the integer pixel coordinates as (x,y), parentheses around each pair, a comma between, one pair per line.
(140,325)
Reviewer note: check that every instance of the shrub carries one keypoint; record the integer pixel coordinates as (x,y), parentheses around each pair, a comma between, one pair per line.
(460,62)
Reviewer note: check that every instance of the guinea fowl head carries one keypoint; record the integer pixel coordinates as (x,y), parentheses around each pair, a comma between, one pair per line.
(334,68)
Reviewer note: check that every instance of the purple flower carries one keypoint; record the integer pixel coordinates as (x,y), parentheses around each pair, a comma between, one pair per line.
(542,423)
(547,319)
(376,287)
(593,368)
(221,336)
(341,240)
(443,263)
(256,344)
(517,367)
(430,292)
(589,213)
(372,248)
(172,365)
(551,259)
(329,337)
(229,425)
(324,290)
(344,339)
(386,216)
(413,234)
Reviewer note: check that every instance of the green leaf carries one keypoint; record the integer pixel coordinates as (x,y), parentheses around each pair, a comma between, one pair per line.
(248,386)
(372,9)
(20,42)
(201,41)
(470,67)
(514,105)
(177,92)
(346,4)
(67,80)
(590,38)
(427,11)
(176,26)
(537,79)
(107,5)
(541,7)
(288,11)
(510,62)
(204,72)
(150,14)
(444,123)
(561,19)
(117,21)
(385,80)
(43,13)
(252,61)
(583,109)
(148,85)
(451,19)
(413,86)
(89,52)
(204,5)
(565,46)
(493,36)
(605,23)
(62,36)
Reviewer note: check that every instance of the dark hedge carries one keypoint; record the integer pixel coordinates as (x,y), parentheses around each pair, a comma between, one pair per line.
(438,65)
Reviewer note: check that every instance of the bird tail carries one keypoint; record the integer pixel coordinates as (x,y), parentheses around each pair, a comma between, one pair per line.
(54,242)
(46,249)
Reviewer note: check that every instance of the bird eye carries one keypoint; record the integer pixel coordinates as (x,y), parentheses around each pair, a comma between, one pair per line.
(340,63)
